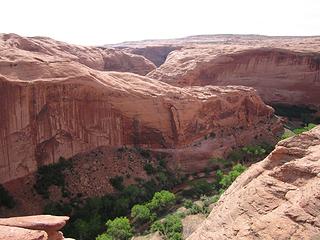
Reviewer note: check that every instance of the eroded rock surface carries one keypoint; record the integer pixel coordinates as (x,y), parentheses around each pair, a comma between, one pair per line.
(55,108)
(99,58)
(38,227)
(277,198)
(284,70)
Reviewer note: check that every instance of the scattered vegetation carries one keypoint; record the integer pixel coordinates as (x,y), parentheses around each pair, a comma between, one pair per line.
(197,188)
(51,174)
(142,207)
(227,179)
(117,229)
(170,227)
(249,154)
(297,131)
(6,200)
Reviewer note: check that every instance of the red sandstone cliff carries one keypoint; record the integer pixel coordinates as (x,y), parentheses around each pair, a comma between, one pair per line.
(284,76)
(99,58)
(53,107)
(277,198)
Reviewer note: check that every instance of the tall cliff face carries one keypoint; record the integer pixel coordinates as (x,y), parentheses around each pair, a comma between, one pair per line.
(103,59)
(277,198)
(281,76)
(55,108)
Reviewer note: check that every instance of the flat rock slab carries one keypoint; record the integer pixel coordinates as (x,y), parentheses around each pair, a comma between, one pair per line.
(15,233)
(37,222)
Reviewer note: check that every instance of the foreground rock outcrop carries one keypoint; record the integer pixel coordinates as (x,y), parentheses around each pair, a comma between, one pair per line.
(38,227)
(277,198)
(53,108)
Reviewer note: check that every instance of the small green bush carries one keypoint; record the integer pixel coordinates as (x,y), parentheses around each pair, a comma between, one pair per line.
(140,213)
(117,182)
(149,168)
(161,200)
(170,227)
(228,179)
(119,229)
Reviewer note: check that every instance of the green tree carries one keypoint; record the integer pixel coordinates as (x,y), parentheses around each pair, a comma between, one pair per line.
(119,228)
(170,227)
(140,213)
(161,200)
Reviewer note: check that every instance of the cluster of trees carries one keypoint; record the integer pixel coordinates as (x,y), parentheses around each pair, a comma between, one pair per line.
(142,203)
(51,174)
(120,228)
(88,216)
(150,214)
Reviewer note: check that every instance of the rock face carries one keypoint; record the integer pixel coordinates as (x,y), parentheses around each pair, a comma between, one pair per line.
(156,54)
(103,59)
(55,108)
(285,76)
(277,198)
(39,227)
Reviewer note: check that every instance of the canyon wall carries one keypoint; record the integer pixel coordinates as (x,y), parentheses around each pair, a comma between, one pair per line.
(99,58)
(282,76)
(277,198)
(54,108)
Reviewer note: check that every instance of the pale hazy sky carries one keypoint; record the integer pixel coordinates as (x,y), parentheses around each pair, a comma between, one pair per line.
(95,22)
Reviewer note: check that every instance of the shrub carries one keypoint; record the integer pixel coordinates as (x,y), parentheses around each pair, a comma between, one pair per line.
(188,204)
(145,153)
(170,227)
(104,236)
(254,150)
(288,134)
(304,129)
(6,199)
(149,168)
(119,228)
(228,179)
(140,213)
(49,175)
(117,182)
(161,200)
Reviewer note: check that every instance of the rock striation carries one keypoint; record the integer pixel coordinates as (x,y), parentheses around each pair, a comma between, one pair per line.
(277,198)
(280,75)
(38,227)
(53,107)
